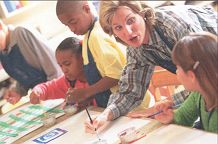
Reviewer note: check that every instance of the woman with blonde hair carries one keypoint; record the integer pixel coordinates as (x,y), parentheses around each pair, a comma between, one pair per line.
(150,35)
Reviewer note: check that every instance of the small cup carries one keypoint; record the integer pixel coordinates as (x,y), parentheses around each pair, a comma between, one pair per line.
(70,109)
(49,119)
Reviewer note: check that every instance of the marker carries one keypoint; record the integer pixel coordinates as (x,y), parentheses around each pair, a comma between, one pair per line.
(91,121)
(173,107)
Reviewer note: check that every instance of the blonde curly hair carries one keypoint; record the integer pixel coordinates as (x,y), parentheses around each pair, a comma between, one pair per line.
(108,8)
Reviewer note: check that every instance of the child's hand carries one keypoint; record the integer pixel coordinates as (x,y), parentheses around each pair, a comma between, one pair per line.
(163,105)
(12,96)
(34,98)
(165,117)
(77,95)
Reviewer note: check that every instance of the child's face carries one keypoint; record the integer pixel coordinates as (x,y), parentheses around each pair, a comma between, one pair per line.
(71,64)
(185,78)
(77,22)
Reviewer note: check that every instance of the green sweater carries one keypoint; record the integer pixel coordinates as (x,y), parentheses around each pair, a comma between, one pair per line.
(191,109)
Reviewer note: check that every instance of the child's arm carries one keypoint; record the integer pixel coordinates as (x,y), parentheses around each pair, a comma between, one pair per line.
(185,115)
(53,89)
(82,94)
(104,84)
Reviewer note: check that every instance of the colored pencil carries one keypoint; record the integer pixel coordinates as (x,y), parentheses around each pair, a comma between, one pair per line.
(156,113)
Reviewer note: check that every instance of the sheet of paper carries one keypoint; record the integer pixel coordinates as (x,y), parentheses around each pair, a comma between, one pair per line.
(71,131)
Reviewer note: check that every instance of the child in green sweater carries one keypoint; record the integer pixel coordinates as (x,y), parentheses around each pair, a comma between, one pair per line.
(196,59)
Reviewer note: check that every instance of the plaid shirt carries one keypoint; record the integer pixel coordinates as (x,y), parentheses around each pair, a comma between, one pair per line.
(175,22)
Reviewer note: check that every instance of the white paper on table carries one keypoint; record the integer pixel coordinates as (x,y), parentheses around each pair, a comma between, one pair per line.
(76,133)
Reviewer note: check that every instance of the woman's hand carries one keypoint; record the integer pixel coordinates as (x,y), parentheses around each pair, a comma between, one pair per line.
(143,113)
(99,122)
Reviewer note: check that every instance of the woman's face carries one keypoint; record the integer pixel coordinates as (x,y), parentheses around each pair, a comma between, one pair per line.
(128,26)
(71,64)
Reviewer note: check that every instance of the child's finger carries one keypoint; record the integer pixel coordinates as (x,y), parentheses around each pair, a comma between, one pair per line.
(34,100)
(165,117)
(169,112)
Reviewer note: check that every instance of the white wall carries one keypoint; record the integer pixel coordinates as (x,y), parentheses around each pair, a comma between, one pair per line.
(40,15)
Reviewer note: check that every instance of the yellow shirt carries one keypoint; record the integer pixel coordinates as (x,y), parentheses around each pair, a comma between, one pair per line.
(109,56)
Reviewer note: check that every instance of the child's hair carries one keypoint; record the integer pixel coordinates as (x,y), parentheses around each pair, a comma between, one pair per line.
(64,6)
(199,52)
(71,43)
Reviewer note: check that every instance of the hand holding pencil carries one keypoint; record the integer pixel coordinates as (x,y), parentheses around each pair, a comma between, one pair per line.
(164,112)
(165,117)
(97,123)
(158,108)
(91,121)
